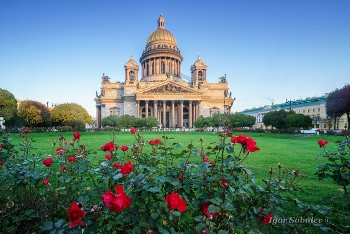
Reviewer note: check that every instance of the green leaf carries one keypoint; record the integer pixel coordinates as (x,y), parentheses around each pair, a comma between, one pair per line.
(163,231)
(229,207)
(176,213)
(213,208)
(117,176)
(53,231)
(59,223)
(154,215)
(46,226)
(154,189)
(136,230)
(223,232)
(221,146)
(82,168)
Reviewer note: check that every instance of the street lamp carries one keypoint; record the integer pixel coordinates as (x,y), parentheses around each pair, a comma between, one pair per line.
(290,103)
(316,119)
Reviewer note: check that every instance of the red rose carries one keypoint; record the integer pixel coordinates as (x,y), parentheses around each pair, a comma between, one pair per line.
(115,165)
(180,177)
(251,146)
(265,218)
(0,163)
(76,136)
(205,159)
(75,214)
(124,148)
(233,139)
(126,168)
(174,201)
(60,150)
(212,163)
(71,159)
(116,202)
(157,141)
(108,157)
(151,142)
(133,130)
(224,182)
(0,147)
(108,146)
(322,143)
(63,168)
(47,162)
(46,182)
(243,140)
(116,147)
(205,211)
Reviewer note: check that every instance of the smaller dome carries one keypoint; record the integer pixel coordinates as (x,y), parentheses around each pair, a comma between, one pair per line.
(199,62)
(131,61)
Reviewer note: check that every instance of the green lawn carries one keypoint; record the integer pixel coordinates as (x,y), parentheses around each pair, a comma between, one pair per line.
(297,152)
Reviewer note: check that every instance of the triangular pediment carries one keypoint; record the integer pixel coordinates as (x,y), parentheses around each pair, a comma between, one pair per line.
(169,87)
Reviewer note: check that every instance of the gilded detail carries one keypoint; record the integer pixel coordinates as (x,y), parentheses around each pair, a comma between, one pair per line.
(169,88)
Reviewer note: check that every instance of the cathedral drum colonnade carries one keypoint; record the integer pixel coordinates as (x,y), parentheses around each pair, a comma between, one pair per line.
(176,100)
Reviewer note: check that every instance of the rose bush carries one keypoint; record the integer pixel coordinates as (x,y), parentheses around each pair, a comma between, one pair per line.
(338,169)
(172,189)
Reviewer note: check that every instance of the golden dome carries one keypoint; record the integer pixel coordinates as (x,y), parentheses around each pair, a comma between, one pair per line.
(161,34)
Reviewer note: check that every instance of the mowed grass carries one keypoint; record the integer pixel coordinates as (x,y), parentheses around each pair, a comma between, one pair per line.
(295,152)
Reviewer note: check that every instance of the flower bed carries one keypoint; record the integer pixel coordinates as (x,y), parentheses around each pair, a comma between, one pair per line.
(130,191)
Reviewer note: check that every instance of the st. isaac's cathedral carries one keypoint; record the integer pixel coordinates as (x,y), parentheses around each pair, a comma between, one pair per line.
(162,91)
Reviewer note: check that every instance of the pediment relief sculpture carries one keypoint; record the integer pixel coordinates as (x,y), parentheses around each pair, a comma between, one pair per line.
(169,88)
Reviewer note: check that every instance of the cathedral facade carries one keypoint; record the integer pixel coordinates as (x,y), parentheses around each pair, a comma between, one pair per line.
(162,91)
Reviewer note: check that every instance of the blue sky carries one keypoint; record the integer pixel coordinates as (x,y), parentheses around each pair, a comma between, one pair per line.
(271,50)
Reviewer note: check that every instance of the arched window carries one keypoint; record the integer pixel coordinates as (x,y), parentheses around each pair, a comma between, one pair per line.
(131,75)
(147,70)
(162,67)
(200,75)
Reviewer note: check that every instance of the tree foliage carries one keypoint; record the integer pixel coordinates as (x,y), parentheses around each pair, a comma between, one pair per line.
(64,113)
(126,121)
(298,121)
(338,102)
(110,121)
(203,122)
(34,113)
(287,119)
(8,104)
(241,120)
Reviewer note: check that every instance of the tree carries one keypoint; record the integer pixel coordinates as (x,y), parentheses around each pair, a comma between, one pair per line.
(63,113)
(151,122)
(111,121)
(126,121)
(34,113)
(203,122)
(8,104)
(338,102)
(277,119)
(298,121)
(219,120)
(241,120)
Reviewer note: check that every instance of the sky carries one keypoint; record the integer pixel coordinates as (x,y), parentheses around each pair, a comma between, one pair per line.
(270,50)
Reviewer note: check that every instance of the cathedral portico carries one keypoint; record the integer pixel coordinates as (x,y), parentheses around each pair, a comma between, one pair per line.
(162,91)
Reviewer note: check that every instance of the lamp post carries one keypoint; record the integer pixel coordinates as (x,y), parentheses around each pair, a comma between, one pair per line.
(316,119)
(290,103)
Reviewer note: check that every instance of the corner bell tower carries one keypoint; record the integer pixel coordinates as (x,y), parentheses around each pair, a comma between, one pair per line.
(131,71)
